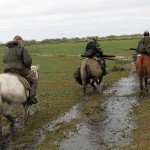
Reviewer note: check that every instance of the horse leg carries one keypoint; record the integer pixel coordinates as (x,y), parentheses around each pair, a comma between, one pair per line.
(26,113)
(12,106)
(99,82)
(84,85)
(11,125)
(92,84)
(141,85)
(84,88)
(11,119)
(146,85)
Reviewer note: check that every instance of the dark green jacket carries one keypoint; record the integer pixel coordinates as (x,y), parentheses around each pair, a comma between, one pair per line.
(144,45)
(16,57)
(93,49)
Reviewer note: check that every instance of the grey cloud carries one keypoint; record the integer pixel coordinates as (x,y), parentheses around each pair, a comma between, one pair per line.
(57,18)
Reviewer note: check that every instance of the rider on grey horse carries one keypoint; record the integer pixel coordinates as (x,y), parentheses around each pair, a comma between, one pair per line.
(17,60)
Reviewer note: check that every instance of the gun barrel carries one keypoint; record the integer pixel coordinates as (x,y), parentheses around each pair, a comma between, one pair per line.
(133,49)
(105,55)
(111,59)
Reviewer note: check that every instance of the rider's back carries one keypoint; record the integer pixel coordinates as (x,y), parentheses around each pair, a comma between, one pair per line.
(16,57)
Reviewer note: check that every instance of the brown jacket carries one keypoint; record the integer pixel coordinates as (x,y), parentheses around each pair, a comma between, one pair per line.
(16,57)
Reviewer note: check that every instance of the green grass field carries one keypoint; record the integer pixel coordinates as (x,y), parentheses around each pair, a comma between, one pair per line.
(58,92)
(114,46)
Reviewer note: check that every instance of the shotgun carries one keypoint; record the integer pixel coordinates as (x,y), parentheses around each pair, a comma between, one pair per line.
(133,49)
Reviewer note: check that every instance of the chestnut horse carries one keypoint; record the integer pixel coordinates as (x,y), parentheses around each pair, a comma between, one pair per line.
(142,65)
(90,69)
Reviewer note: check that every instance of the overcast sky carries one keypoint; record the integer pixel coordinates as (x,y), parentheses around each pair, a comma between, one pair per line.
(41,19)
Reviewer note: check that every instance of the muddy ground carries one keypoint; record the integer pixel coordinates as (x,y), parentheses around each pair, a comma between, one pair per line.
(111,130)
(114,129)
(63,117)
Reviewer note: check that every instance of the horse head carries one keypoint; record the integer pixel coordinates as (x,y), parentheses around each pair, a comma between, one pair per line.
(35,71)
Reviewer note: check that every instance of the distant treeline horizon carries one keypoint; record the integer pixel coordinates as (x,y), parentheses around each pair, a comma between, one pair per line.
(83,39)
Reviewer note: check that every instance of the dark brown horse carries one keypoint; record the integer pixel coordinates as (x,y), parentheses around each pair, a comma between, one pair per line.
(91,73)
(142,65)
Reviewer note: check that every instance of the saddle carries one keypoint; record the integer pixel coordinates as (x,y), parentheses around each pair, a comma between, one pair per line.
(23,81)
(96,58)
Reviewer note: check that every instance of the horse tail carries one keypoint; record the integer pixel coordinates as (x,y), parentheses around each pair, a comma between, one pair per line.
(86,67)
(139,65)
(83,68)
(84,71)
(143,68)
(84,74)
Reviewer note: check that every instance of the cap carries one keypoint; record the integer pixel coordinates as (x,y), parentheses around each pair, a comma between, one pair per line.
(95,38)
(17,37)
(146,33)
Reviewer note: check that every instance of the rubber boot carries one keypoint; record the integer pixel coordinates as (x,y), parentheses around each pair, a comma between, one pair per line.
(32,94)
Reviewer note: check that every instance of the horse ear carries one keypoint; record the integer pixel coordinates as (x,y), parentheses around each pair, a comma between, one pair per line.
(38,66)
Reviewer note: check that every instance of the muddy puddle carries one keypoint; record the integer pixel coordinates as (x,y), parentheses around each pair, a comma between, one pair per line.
(114,129)
(86,138)
(68,116)
(54,125)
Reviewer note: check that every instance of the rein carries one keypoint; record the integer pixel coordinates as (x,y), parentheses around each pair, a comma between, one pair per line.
(30,73)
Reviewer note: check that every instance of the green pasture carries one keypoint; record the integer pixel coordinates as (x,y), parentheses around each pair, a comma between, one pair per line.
(58,92)
(114,46)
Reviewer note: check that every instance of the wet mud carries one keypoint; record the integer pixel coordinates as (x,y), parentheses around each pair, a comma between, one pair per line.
(68,116)
(86,138)
(114,129)
(7,142)
(53,125)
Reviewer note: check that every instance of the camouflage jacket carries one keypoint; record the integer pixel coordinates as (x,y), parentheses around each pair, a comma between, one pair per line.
(144,45)
(16,57)
(93,49)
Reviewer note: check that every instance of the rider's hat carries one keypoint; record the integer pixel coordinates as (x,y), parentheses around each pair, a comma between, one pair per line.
(17,37)
(146,33)
(95,38)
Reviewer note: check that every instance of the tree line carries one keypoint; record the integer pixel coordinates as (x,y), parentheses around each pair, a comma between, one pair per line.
(83,39)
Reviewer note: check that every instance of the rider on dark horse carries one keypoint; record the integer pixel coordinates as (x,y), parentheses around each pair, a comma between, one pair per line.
(142,62)
(143,45)
(93,50)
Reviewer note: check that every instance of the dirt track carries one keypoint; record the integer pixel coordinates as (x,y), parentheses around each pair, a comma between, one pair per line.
(114,129)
